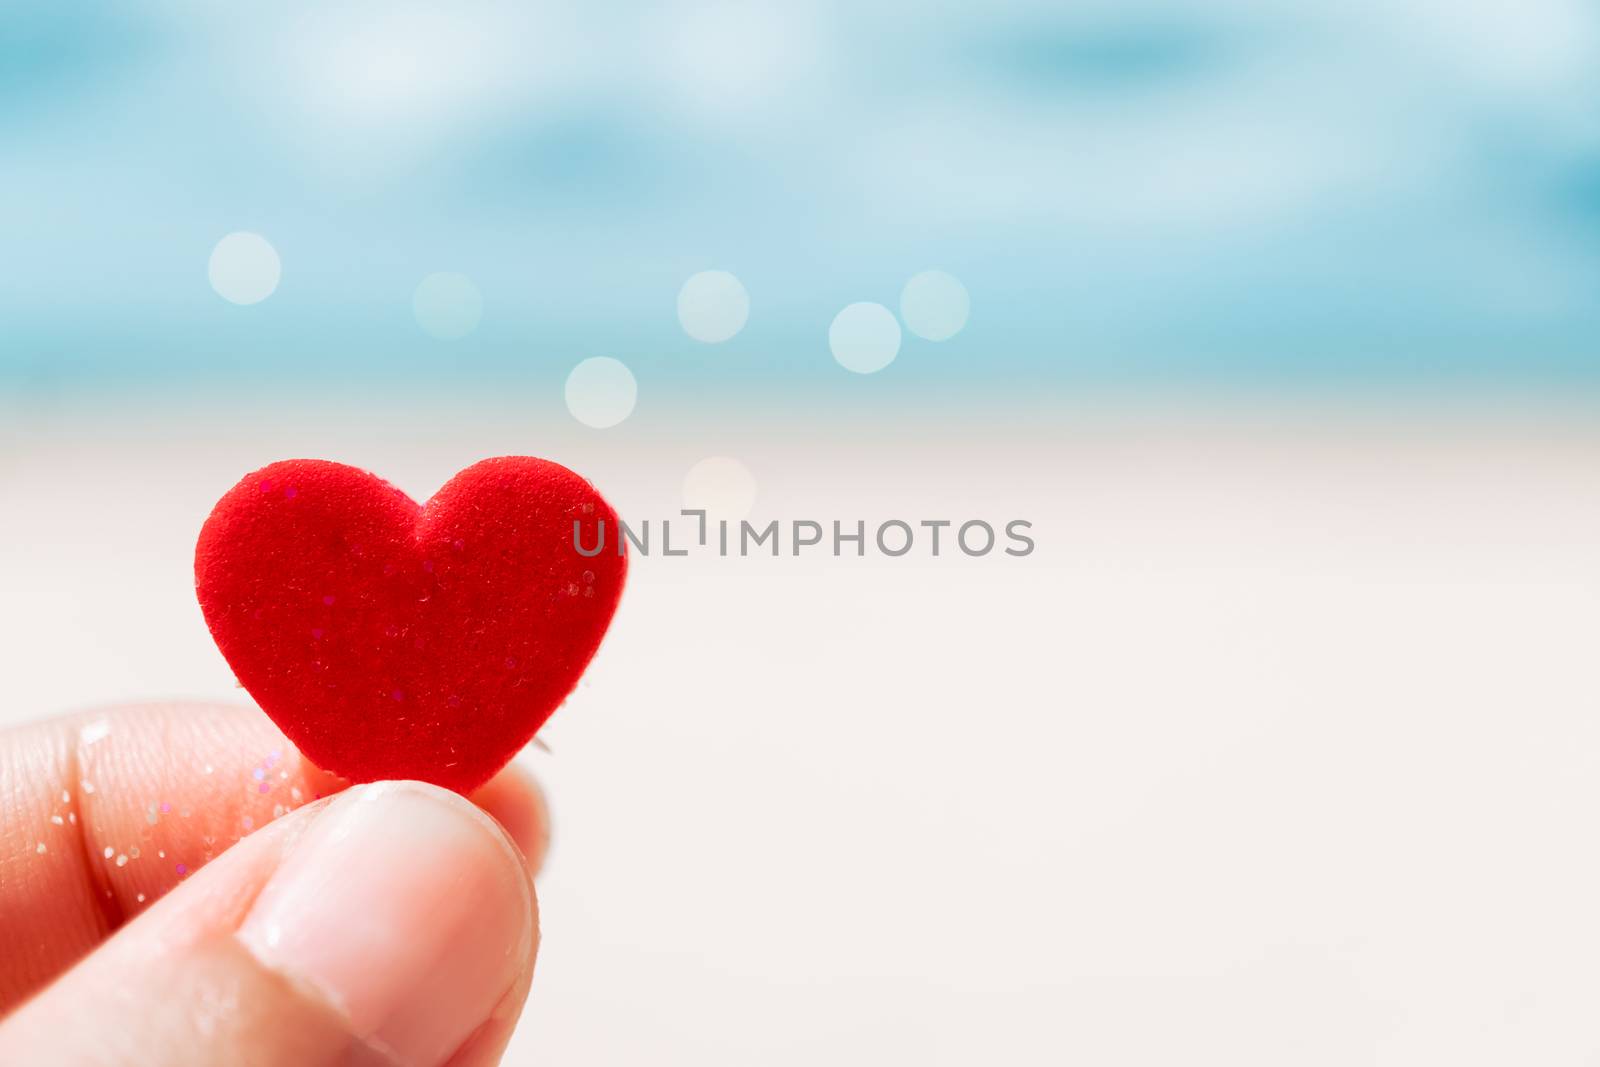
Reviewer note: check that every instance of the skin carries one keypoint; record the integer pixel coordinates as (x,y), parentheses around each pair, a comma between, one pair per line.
(251,909)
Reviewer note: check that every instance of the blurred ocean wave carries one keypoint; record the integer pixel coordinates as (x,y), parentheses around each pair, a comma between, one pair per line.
(1145,191)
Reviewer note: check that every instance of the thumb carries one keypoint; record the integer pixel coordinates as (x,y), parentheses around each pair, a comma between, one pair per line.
(392,924)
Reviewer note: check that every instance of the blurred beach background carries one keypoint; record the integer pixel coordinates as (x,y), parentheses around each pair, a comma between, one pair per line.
(1280,323)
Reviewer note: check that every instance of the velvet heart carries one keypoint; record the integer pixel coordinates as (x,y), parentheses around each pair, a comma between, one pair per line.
(392,640)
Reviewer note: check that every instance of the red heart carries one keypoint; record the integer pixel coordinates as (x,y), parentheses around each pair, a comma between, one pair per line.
(389,640)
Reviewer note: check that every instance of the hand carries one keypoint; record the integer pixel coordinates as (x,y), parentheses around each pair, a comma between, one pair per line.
(177,886)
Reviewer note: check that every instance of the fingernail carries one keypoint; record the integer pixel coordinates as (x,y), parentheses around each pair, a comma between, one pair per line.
(408,909)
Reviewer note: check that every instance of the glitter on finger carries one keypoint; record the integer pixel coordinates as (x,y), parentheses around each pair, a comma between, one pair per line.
(109,852)
(182,869)
(87,786)
(57,820)
(122,861)
(139,898)
(40,848)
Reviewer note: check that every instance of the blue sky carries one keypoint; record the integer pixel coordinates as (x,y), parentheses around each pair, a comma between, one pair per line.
(1132,191)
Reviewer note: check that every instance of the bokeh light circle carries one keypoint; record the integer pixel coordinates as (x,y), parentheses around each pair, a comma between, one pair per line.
(601,392)
(864,337)
(244,268)
(935,305)
(447,305)
(713,306)
(724,488)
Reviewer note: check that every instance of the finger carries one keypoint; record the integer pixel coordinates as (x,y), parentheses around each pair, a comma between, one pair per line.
(514,798)
(103,813)
(394,923)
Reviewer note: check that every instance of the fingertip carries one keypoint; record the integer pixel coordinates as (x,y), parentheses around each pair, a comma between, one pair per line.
(517,803)
(409,909)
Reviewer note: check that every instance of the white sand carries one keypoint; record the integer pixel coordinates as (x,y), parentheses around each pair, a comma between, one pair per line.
(1284,747)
